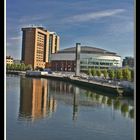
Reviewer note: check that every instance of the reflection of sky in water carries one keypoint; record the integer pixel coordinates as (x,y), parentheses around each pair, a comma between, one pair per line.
(56,110)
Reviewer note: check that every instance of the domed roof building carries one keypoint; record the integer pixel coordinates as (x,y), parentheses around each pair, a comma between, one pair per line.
(90,57)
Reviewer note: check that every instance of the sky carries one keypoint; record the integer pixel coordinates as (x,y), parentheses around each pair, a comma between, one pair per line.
(106,24)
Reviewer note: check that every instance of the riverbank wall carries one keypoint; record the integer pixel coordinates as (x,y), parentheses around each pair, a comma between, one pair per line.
(114,90)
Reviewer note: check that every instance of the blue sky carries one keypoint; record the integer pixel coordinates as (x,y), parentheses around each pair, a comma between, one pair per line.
(107,24)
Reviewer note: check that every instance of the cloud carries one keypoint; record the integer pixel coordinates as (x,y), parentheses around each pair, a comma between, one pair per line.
(94,15)
(16,38)
(121,28)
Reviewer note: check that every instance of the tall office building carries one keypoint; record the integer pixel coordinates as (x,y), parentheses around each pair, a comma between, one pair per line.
(37,46)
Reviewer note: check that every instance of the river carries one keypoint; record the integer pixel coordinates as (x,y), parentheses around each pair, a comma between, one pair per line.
(43,109)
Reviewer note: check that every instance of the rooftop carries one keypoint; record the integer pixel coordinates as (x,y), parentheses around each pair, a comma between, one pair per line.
(87,49)
(39,27)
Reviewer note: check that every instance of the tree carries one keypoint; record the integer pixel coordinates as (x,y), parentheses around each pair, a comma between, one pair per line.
(89,72)
(111,74)
(105,73)
(29,67)
(22,66)
(93,72)
(12,67)
(126,74)
(98,72)
(119,74)
(8,66)
(18,67)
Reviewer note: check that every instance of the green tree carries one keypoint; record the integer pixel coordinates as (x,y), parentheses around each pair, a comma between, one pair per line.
(93,72)
(89,72)
(126,74)
(8,66)
(105,73)
(29,67)
(12,67)
(22,67)
(111,74)
(98,72)
(15,66)
(119,74)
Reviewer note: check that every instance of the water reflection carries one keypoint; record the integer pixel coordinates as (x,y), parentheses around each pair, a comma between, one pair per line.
(124,105)
(39,98)
(124,109)
(117,104)
(131,113)
(35,100)
(75,103)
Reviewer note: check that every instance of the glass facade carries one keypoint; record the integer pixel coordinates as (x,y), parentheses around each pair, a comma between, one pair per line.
(87,63)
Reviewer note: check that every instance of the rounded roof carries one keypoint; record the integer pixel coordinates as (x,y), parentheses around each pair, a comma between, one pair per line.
(87,49)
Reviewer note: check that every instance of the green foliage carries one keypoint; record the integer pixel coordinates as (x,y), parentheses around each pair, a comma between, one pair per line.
(93,72)
(126,74)
(98,72)
(29,67)
(119,74)
(8,67)
(105,73)
(89,72)
(111,74)
(18,67)
(132,74)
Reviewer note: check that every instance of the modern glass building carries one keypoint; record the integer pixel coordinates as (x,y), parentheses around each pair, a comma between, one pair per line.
(90,57)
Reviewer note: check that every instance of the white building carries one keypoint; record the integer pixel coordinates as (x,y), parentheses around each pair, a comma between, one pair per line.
(90,57)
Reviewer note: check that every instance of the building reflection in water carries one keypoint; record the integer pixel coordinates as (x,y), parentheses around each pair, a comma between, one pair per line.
(38,99)
(68,90)
(81,97)
(75,103)
(35,100)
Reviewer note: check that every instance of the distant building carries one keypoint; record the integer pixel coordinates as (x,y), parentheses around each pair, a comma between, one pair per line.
(37,46)
(9,60)
(90,57)
(128,61)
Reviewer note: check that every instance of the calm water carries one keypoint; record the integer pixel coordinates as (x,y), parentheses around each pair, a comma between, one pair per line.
(40,109)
